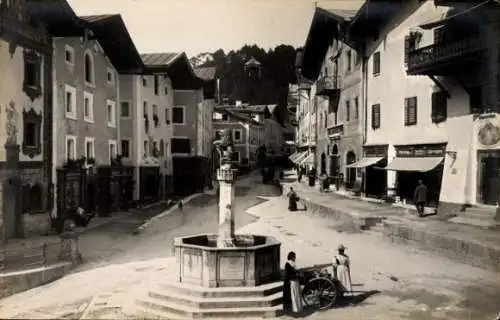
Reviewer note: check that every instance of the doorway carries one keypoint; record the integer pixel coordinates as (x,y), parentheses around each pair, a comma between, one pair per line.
(350,172)
(334,161)
(489,179)
(323,163)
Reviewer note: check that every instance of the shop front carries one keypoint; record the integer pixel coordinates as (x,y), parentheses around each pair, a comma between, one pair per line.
(374,179)
(418,162)
(488,160)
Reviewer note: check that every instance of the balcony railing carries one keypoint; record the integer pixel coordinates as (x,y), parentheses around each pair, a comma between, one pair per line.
(328,85)
(426,59)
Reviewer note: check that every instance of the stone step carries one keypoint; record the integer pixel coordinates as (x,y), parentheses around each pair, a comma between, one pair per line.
(142,312)
(178,311)
(218,303)
(222,292)
(487,216)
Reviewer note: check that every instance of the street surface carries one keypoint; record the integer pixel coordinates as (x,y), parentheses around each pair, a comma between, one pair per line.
(391,281)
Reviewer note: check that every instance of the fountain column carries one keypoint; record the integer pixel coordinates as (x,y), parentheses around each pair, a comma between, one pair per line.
(226,177)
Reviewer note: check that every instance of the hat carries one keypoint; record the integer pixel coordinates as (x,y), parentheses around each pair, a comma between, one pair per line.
(341,247)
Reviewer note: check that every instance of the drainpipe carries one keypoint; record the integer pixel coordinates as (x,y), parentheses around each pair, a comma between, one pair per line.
(364,87)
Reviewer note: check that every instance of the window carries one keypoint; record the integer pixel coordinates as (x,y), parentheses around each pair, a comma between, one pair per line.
(237,135)
(32,74)
(356,108)
(145,108)
(349,60)
(154,149)
(89,148)
(69,55)
(70,101)
(347,111)
(112,149)
(156,84)
(125,148)
(70,147)
(167,116)
(376,63)
(125,109)
(225,117)
(178,115)
(89,69)
(166,90)
(111,112)
(332,107)
(110,75)
(375,116)
(439,111)
(30,135)
(156,119)
(144,82)
(145,149)
(410,111)
(180,145)
(438,35)
(410,45)
(88,106)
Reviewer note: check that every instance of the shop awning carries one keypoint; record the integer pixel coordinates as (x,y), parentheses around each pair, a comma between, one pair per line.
(365,162)
(294,155)
(300,157)
(308,160)
(418,164)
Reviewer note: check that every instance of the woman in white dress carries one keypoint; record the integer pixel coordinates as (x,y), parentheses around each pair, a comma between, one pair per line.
(342,268)
(292,300)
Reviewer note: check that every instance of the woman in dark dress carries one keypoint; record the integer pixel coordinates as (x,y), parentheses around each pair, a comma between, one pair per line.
(292,200)
(292,300)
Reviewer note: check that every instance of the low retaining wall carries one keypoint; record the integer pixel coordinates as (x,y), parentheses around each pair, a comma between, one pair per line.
(463,251)
(14,282)
(459,250)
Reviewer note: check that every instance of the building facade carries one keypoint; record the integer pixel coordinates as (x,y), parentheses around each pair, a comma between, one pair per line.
(247,133)
(26,152)
(433,116)
(145,108)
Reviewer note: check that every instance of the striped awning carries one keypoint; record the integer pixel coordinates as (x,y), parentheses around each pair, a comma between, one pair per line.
(416,164)
(301,157)
(365,162)
(309,160)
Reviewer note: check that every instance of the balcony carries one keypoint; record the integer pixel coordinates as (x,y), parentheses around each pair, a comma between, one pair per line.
(444,58)
(328,86)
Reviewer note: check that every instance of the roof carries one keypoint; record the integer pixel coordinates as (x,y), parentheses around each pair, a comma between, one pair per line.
(176,65)
(238,115)
(155,59)
(245,108)
(205,73)
(114,38)
(252,62)
(325,26)
(57,16)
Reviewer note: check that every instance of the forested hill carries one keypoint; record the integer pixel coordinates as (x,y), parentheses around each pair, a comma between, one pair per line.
(277,71)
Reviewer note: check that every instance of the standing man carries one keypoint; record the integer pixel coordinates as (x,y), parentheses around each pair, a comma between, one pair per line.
(420,197)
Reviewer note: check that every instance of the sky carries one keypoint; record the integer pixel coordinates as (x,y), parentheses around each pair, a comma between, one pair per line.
(196,26)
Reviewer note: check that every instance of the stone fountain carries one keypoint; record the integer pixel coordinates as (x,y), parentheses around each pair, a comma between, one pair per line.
(221,275)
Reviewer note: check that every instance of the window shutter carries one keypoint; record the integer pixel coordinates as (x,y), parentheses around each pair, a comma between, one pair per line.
(439,111)
(376,116)
(410,111)
(407,49)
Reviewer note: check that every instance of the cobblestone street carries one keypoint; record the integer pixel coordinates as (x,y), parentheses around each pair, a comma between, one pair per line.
(392,281)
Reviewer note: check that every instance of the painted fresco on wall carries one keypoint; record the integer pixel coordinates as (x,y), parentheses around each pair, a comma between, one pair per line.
(488,134)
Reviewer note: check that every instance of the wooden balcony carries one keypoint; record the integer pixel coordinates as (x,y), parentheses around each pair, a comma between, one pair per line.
(328,86)
(443,58)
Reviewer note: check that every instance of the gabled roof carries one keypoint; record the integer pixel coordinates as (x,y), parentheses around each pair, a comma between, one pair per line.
(176,65)
(245,108)
(252,62)
(238,115)
(159,59)
(325,26)
(205,73)
(57,16)
(114,38)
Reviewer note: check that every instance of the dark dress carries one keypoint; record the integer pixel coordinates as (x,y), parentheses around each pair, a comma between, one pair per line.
(292,201)
(290,274)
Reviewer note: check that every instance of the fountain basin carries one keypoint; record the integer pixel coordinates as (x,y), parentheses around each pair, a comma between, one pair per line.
(253,261)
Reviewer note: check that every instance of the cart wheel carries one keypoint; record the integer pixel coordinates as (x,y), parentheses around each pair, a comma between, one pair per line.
(320,293)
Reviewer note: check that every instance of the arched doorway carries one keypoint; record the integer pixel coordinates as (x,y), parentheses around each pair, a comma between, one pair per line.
(323,163)
(334,161)
(350,172)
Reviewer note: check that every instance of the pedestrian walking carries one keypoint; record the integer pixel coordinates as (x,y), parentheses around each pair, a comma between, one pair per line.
(420,197)
(292,200)
(342,268)
(292,300)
